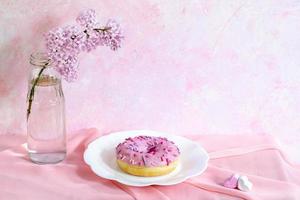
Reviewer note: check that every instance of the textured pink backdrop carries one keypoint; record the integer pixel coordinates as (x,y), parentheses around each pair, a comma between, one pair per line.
(186,67)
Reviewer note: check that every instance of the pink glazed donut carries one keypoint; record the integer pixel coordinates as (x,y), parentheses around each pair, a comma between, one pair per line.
(147,156)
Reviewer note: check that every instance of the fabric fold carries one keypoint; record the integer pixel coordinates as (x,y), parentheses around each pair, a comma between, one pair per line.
(258,157)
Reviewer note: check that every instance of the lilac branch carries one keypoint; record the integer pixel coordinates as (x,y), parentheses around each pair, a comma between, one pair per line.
(102,29)
(97,29)
(64,44)
(31,95)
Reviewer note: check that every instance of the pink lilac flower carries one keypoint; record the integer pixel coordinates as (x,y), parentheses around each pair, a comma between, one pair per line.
(92,40)
(66,65)
(113,36)
(69,72)
(64,44)
(68,39)
(73,39)
(87,19)
(109,35)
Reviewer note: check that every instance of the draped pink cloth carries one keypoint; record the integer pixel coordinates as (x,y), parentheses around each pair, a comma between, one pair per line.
(258,157)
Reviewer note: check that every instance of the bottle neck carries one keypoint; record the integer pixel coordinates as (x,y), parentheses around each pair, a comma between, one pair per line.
(40,60)
(42,70)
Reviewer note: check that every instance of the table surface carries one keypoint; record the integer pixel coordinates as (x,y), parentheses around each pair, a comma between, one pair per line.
(258,157)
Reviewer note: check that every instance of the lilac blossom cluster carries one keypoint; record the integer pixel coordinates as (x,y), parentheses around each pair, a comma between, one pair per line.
(64,44)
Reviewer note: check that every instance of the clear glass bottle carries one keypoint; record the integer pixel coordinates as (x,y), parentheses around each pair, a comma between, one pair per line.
(46,133)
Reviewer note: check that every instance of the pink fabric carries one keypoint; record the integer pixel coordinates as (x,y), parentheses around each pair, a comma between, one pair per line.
(255,156)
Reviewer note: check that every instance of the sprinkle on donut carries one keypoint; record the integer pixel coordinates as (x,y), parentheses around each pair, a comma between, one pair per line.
(147,151)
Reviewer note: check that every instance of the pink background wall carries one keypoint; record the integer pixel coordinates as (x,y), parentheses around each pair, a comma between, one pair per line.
(186,67)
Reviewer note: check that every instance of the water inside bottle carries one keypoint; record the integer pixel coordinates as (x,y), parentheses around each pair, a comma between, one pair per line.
(46,139)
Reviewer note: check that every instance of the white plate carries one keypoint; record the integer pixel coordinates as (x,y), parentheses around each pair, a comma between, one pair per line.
(100,156)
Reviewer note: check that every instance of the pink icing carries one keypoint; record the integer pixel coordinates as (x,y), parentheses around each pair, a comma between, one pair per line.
(147,151)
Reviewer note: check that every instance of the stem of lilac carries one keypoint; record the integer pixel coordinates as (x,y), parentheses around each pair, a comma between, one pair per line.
(102,29)
(31,95)
(98,30)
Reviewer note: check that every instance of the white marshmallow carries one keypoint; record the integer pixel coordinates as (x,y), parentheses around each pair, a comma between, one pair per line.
(244,184)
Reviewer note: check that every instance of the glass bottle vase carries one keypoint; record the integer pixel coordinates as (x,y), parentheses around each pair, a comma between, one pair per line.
(46,133)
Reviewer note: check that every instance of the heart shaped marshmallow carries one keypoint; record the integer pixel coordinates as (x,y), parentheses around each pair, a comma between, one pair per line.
(244,184)
(232,182)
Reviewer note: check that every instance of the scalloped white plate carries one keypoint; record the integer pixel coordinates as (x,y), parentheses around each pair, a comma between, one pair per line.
(100,156)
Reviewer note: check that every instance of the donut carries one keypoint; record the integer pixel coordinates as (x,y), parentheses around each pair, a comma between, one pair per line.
(147,156)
